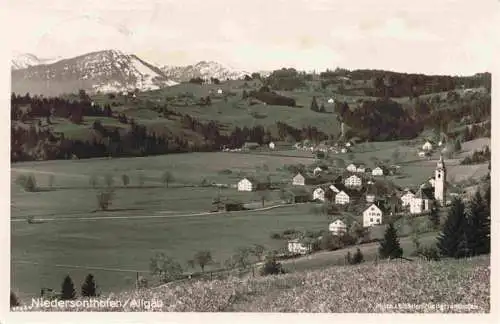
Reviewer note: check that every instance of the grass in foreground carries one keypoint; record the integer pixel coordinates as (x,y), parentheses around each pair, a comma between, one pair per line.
(364,288)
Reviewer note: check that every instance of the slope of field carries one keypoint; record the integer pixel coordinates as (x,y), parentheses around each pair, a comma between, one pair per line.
(365,288)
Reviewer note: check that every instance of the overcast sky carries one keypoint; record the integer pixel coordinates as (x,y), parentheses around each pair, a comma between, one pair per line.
(428,36)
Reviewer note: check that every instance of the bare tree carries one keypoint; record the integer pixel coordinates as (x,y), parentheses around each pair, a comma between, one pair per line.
(165,268)
(264,196)
(104,199)
(125,180)
(203,258)
(93,181)
(167,177)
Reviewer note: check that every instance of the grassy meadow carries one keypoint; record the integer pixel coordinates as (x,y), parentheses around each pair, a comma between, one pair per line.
(365,288)
(117,244)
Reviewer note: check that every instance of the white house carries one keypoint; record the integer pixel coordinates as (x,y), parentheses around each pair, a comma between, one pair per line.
(348,144)
(406,198)
(245,185)
(421,202)
(344,150)
(353,181)
(330,101)
(378,171)
(319,194)
(317,170)
(342,198)
(219,91)
(370,197)
(337,228)
(299,180)
(422,154)
(352,167)
(334,189)
(372,216)
(272,145)
(361,169)
(297,247)
(432,181)
(427,146)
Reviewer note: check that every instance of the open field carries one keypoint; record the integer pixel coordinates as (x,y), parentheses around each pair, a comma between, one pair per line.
(129,243)
(363,288)
(174,220)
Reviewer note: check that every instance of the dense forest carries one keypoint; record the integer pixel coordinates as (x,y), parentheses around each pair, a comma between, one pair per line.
(34,141)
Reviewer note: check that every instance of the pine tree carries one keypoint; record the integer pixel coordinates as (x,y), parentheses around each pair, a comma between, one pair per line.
(452,241)
(478,229)
(314,104)
(89,287)
(389,246)
(68,289)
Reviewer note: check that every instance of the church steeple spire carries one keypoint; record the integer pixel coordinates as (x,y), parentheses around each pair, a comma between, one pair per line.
(440,182)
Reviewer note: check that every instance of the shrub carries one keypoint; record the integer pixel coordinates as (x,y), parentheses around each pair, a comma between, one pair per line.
(166,268)
(125,180)
(271,267)
(27,182)
(429,253)
(14,301)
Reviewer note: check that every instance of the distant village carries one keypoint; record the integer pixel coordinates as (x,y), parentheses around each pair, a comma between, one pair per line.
(356,185)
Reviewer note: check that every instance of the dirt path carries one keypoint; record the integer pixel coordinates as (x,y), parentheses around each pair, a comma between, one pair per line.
(150,216)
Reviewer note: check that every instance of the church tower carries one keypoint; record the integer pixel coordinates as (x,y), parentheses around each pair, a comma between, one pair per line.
(440,182)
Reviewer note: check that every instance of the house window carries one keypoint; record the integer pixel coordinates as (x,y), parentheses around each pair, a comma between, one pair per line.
(371,220)
(439,175)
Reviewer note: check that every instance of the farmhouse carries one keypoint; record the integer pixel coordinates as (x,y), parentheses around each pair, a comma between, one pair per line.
(246,185)
(252,184)
(407,197)
(219,91)
(299,180)
(337,228)
(300,195)
(344,150)
(330,101)
(342,198)
(378,171)
(295,246)
(352,167)
(353,181)
(272,145)
(427,146)
(372,216)
(319,194)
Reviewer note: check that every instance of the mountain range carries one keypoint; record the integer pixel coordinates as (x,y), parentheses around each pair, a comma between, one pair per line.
(105,71)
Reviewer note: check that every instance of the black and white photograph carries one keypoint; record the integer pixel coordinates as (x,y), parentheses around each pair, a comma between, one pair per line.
(250,156)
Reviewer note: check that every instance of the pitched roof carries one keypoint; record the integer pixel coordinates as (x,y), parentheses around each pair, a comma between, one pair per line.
(425,193)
